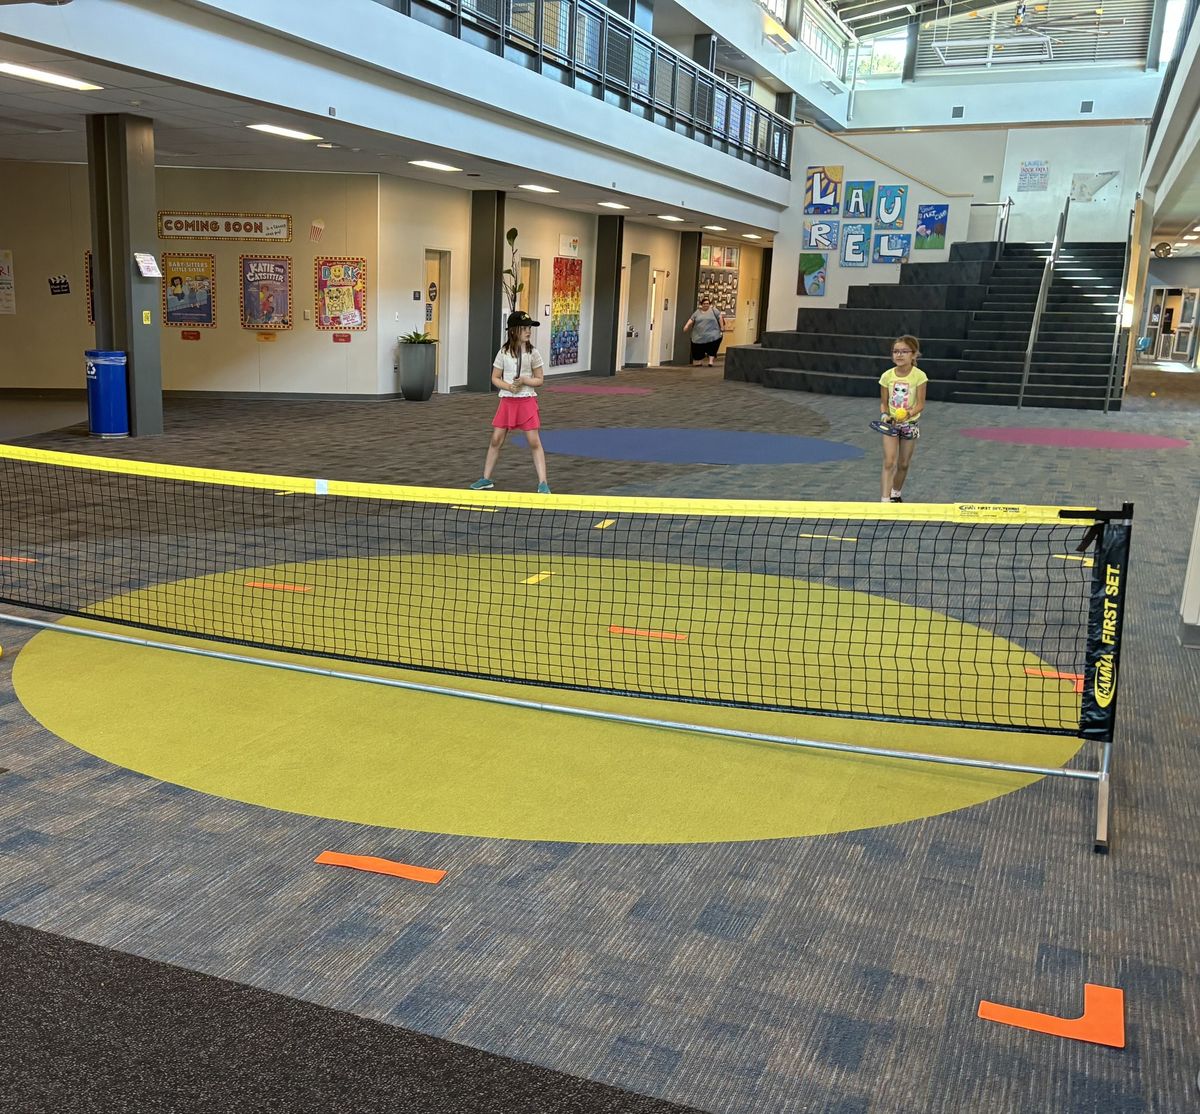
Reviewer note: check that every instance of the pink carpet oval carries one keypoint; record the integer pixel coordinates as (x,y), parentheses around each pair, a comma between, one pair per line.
(1077,438)
(582,389)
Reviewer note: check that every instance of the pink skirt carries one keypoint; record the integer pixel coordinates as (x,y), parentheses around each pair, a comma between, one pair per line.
(518,413)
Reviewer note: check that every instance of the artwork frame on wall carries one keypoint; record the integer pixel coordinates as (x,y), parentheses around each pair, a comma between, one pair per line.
(891,206)
(856,244)
(932,222)
(892,247)
(812,271)
(189,290)
(567,299)
(858,199)
(265,292)
(820,234)
(89,285)
(822,189)
(340,292)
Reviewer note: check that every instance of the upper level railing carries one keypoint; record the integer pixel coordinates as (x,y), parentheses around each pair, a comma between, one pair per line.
(581,44)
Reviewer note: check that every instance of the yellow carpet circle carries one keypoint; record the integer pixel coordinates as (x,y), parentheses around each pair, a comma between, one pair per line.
(373,755)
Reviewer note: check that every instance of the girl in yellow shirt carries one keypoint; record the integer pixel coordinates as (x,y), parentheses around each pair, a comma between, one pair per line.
(901,401)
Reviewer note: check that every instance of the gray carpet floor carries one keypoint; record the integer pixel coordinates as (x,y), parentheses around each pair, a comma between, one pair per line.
(833,974)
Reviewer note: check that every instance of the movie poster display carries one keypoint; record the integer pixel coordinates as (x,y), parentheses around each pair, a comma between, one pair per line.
(340,285)
(266,291)
(189,290)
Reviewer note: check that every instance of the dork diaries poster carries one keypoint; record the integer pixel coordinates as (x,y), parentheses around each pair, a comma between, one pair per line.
(266,292)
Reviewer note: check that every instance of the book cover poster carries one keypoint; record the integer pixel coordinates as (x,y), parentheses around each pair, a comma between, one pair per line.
(189,290)
(341,293)
(266,291)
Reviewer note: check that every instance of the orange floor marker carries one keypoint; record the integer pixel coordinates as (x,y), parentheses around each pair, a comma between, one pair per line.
(649,634)
(1102,1022)
(278,587)
(20,560)
(1054,675)
(381,866)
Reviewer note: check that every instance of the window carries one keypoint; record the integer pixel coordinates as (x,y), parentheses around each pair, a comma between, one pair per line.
(740,83)
(882,57)
(823,38)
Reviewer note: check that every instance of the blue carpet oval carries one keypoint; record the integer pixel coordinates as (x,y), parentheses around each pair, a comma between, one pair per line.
(694,446)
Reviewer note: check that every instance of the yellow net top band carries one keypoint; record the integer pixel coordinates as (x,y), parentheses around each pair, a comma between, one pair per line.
(1009,513)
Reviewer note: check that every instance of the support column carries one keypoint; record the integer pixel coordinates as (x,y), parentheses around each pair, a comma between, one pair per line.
(606,306)
(124,205)
(687,287)
(488,260)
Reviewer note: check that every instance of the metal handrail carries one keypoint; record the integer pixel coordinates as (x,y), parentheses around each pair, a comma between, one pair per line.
(1060,234)
(1116,344)
(1001,220)
(585,45)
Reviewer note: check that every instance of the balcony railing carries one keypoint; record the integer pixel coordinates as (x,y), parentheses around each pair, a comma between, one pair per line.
(583,45)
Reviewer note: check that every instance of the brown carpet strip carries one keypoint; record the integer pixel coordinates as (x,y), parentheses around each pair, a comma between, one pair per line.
(85,1028)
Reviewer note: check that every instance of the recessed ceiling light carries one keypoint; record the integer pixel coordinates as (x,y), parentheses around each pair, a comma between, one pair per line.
(1192,237)
(668,216)
(47,78)
(537,189)
(287,133)
(429,164)
(613,205)
(716,228)
(327,146)
(1180,245)
(751,236)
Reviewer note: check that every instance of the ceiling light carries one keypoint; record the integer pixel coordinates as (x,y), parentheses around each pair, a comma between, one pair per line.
(613,205)
(670,217)
(751,236)
(429,164)
(287,133)
(1192,237)
(537,189)
(716,228)
(47,78)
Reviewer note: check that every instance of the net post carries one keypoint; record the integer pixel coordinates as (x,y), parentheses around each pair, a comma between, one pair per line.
(1106,619)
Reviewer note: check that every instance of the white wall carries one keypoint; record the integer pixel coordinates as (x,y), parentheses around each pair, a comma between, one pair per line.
(538,231)
(816,148)
(414,218)
(662,246)
(1072,151)
(1016,95)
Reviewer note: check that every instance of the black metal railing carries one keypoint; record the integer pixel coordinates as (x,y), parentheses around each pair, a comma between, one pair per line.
(581,44)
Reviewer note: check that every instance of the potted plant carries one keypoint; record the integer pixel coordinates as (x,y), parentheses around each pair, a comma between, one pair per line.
(416,365)
(511,279)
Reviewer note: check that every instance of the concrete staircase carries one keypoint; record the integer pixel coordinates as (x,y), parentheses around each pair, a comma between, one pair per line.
(973,317)
(1071,359)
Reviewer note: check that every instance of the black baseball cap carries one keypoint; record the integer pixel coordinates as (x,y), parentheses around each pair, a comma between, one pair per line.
(520,319)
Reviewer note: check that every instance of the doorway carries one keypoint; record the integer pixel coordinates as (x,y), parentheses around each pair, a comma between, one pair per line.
(527,299)
(437,286)
(637,312)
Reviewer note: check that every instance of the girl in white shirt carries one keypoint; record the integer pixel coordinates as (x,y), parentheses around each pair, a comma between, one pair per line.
(516,371)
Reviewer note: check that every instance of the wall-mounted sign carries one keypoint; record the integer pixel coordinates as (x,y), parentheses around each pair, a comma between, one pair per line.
(341,338)
(433,291)
(567,245)
(59,284)
(1033,176)
(147,265)
(189,334)
(340,287)
(178,225)
(8,283)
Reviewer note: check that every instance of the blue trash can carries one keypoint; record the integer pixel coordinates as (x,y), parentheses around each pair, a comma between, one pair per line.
(107,394)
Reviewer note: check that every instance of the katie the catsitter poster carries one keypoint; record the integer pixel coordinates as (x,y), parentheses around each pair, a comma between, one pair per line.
(266,292)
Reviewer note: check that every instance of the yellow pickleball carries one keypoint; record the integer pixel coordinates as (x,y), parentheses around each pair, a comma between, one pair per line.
(900,413)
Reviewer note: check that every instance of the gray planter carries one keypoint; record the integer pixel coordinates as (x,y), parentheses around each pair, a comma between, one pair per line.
(416,370)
